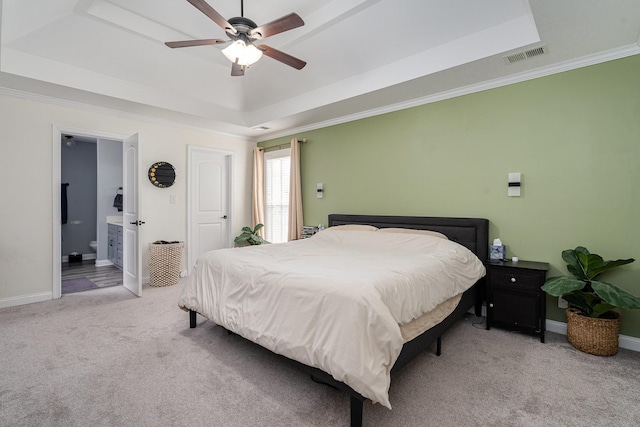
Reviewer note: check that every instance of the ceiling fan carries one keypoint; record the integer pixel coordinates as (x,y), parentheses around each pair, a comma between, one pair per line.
(242,33)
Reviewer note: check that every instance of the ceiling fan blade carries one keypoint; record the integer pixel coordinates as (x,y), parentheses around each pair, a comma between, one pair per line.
(286,23)
(237,70)
(285,58)
(188,43)
(204,7)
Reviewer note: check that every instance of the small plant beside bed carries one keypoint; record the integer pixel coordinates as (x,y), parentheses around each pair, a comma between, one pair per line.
(592,324)
(250,236)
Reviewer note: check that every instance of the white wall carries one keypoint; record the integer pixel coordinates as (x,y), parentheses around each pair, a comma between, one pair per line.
(26,207)
(79,171)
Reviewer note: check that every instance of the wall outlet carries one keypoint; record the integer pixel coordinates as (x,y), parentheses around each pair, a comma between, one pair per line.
(562,303)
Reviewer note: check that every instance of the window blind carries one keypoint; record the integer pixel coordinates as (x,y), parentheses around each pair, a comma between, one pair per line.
(277,169)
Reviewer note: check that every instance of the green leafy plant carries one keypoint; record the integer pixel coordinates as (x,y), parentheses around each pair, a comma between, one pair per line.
(250,236)
(584,291)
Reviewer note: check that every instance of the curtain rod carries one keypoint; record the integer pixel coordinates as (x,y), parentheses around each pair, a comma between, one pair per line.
(281,146)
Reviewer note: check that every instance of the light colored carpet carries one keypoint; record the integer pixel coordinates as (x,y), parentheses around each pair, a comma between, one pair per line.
(107,358)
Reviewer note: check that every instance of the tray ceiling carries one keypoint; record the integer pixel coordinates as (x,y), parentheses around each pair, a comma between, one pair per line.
(362,55)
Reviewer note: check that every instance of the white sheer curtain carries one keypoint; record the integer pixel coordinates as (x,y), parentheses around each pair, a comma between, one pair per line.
(295,194)
(277,170)
(257,211)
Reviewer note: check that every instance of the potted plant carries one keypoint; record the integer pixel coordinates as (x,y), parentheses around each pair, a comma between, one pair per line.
(592,324)
(250,237)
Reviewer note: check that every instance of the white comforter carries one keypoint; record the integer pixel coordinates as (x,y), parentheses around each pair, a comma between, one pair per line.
(333,301)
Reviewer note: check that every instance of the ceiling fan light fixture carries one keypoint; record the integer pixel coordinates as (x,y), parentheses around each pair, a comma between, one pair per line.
(241,53)
(69,141)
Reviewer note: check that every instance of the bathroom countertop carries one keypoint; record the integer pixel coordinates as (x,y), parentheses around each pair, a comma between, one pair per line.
(115,220)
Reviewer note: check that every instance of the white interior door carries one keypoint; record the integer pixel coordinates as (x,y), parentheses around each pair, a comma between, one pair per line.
(209,190)
(132,254)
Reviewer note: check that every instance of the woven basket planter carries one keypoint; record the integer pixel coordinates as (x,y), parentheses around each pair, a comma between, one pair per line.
(593,335)
(164,263)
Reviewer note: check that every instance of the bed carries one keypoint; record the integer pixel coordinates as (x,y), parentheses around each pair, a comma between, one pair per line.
(363,271)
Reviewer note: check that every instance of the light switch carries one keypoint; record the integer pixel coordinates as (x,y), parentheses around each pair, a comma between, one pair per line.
(172,199)
(319,190)
(514,184)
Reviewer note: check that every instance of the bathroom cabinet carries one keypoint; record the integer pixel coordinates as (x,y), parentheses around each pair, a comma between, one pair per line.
(114,252)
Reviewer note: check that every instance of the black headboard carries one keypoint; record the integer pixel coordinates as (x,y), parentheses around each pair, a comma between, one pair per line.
(472,233)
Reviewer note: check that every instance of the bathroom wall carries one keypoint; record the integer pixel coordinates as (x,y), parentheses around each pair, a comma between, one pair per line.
(79,169)
(109,181)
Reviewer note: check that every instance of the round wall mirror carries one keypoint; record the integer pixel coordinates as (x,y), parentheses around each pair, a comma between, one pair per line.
(162,174)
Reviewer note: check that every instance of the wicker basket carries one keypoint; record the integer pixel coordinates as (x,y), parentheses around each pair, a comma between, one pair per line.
(593,335)
(164,263)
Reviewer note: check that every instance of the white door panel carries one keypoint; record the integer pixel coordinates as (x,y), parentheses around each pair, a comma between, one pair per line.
(210,198)
(208,236)
(132,257)
(209,201)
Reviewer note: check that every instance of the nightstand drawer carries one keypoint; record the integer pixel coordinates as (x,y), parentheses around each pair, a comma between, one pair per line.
(525,280)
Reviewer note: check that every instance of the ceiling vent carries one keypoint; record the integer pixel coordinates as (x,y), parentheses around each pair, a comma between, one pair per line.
(526,54)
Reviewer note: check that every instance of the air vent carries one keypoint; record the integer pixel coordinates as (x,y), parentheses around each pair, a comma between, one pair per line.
(521,56)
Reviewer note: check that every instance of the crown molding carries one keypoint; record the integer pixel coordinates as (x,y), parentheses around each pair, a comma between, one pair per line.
(561,67)
(113,112)
(585,61)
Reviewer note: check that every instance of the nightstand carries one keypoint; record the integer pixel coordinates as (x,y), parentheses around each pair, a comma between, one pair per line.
(514,297)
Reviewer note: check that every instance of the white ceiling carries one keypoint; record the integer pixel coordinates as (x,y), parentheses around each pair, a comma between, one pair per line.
(363,56)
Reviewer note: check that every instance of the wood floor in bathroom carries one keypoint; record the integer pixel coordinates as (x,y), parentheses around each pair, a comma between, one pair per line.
(109,275)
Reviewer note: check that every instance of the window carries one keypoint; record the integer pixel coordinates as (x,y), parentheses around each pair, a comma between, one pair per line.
(277,168)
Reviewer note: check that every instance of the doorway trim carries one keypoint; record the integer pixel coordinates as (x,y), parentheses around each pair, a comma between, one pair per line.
(56,182)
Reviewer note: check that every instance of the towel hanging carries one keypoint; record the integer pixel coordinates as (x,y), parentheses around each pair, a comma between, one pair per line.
(117,201)
(63,203)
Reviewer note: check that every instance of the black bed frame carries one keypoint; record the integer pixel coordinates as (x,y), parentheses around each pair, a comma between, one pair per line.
(472,233)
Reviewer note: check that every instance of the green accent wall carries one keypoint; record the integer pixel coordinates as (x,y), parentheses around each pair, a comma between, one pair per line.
(574,136)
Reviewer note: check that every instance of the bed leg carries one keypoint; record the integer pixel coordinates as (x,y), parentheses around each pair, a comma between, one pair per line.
(439,346)
(192,319)
(356,412)
(480,299)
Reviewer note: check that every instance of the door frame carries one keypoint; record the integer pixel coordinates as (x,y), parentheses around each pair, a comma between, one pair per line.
(230,224)
(56,182)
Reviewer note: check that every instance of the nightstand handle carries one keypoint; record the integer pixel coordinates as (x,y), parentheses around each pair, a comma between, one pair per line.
(513,280)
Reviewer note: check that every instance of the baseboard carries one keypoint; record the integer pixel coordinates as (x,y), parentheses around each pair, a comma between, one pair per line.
(625,341)
(84,257)
(483,313)
(103,263)
(25,299)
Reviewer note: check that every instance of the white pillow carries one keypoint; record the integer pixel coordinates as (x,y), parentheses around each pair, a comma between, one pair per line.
(359,227)
(412,231)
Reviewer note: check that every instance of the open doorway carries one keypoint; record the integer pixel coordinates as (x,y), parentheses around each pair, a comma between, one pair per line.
(91,213)
(124,151)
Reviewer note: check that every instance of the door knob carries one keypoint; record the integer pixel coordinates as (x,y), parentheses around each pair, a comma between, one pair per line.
(224,217)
